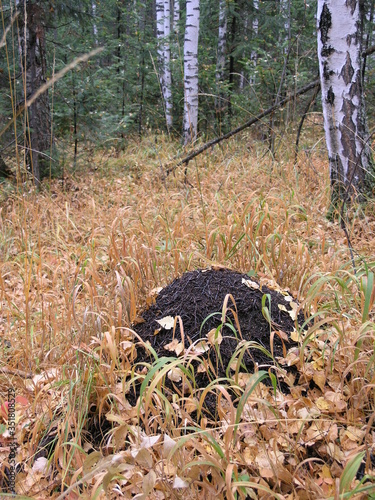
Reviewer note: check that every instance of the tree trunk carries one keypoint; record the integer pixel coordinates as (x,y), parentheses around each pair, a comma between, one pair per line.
(254,53)
(191,71)
(33,56)
(167,65)
(176,15)
(221,53)
(163,30)
(340,64)
(94,26)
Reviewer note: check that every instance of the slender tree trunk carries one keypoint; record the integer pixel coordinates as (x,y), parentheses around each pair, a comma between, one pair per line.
(340,63)
(33,54)
(254,53)
(231,68)
(190,124)
(163,29)
(176,15)
(94,26)
(369,37)
(221,53)
(167,65)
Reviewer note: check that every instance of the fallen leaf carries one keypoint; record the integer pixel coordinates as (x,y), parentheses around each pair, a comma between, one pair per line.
(323,404)
(148,482)
(144,458)
(40,465)
(319,378)
(214,337)
(167,323)
(175,346)
(200,348)
(175,375)
(180,483)
(168,445)
(294,335)
(251,284)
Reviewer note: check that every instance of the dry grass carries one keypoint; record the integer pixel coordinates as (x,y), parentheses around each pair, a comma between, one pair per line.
(78,264)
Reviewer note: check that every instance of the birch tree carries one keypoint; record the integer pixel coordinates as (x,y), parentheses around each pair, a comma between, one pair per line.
(163,31)
(176,15)
(221,52)
(94,26)
(167,65)
(191,71)
(254,53)
(340,64)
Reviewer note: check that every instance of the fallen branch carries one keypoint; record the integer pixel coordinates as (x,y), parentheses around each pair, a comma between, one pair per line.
(235,131)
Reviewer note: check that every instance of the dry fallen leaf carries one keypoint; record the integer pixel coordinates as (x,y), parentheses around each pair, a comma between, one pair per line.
(167,322)
(251,284)
(180,483)
(175,375)
(214,337)
(175,346)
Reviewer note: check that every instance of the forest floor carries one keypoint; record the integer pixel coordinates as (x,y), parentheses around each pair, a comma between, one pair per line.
(202,335)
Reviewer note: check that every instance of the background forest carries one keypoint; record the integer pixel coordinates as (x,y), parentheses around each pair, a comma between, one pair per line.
(202,329)
(269,52)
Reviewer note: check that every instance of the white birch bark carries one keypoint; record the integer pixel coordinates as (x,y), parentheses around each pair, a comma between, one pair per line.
(160,39)
(254,53)
(221,52)
(167,65)
(191,71)
(176,15)
(163,29)
(340,63)
(94,26)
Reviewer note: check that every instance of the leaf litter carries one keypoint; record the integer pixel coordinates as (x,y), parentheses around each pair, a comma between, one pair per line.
(313,440)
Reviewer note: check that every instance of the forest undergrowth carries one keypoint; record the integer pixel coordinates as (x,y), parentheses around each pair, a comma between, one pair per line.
(80,261)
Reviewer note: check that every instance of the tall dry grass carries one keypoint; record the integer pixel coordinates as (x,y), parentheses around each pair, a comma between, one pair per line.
(78,265)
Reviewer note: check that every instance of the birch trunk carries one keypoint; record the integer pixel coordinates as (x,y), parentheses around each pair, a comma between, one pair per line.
(191,71)
(94,26)
(340,64)
(33,63)
(167,65)
(176,15)
(254,53)
(160,39)
(221,52)
(163,29)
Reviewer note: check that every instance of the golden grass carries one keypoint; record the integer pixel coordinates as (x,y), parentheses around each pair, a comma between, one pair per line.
(78,265)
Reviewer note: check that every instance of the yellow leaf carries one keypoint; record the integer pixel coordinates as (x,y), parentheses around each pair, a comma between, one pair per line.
(323,404)
(294,335)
